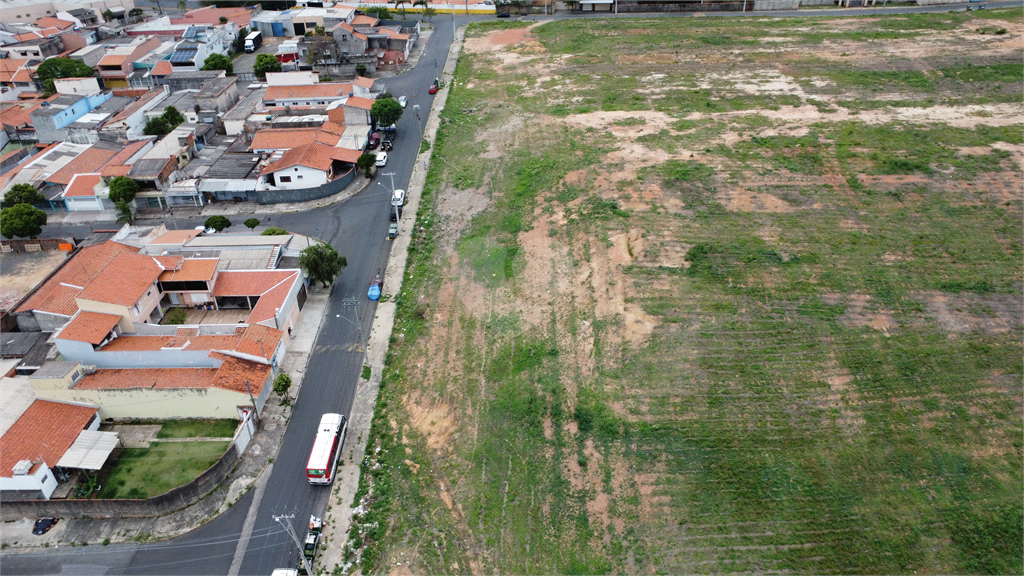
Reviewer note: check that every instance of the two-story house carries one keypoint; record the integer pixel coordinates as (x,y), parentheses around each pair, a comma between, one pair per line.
(118,62)
(53,117)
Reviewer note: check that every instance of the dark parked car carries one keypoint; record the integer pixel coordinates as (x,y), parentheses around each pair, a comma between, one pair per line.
(374,141)
(504,15)
(43,526)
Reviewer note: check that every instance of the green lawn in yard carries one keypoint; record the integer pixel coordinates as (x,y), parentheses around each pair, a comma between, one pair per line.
(224,428)
(145,472)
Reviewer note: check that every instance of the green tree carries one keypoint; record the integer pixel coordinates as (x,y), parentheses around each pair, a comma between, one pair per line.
(223,20)
(252,223)
(22,220)
(429,12)
(109,16)
(274,232)
(156,127)
(381,12)
(123,189)
(386,111)
(281,384)
(22,194)
(238,45)
(361,69)
(135,12)
(125,215)
(322,263)
(182,5)
(218,222)
(265,63)
(365,162)
(219,62)
(62,68)
(173,117)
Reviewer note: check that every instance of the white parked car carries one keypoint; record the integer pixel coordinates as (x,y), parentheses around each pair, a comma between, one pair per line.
(398,198)
(402,100)
(382,159)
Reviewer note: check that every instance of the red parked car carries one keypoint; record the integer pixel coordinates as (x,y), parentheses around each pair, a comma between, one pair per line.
(433,89)
(374,141)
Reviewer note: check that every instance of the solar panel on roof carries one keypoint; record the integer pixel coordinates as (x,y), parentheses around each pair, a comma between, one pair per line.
(190,32)
(182,56)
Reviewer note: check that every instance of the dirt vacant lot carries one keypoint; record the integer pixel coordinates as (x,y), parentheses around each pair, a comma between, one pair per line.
(712,295)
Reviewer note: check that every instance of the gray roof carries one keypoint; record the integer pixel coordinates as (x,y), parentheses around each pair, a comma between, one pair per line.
(216,87)
(183,101)
(57,105)
(148,167)
(55,369)
(249,101)
(195,74)
(17,344)
(82,12)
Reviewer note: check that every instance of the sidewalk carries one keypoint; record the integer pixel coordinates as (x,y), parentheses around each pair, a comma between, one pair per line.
(339,517)
(251,466)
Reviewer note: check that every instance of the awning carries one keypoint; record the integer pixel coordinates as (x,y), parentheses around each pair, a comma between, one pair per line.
(90,450)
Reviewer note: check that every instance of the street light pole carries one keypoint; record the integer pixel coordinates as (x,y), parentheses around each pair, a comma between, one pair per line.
(398,219)
(288,527)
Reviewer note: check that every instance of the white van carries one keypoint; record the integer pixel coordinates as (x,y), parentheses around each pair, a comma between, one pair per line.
(398,198)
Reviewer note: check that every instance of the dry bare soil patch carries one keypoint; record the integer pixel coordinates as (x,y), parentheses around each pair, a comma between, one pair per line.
(713,295)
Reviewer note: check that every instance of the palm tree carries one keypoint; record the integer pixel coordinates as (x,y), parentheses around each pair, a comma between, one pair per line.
(423,3)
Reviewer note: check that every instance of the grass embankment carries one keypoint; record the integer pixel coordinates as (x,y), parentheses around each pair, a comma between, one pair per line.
(704,327)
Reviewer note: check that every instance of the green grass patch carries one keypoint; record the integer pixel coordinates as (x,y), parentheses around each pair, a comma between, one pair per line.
(146,472)
(197,428)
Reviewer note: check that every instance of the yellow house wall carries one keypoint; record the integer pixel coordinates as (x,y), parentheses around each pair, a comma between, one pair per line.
(154,403)
(106,308)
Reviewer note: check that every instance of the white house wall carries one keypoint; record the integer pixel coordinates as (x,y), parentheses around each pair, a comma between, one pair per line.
(41,480)
(156,403)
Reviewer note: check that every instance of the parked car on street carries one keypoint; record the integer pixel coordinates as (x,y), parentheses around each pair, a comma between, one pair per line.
(387,144)
(382,160)
(43,525)
(392,231)
(398,198)
(374,141)
(504,15)
(402,100)
(433,89)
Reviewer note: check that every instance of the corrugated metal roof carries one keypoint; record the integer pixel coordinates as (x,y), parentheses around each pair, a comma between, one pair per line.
(90,450)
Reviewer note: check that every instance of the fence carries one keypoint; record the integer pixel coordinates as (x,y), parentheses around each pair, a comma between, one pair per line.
(37,245)
(305,194)
(176,499)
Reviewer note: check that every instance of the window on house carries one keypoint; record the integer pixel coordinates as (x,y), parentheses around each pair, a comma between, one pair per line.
(299,177)
(285,179)
(75,376)
(296,169)
(307,103)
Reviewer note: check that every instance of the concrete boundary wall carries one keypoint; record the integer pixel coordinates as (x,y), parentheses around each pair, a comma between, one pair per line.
(305,194)
(176,499)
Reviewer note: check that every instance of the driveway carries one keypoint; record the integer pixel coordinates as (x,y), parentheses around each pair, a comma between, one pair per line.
(244,61)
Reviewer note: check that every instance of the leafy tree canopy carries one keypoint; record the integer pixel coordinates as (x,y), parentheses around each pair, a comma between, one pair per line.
(219,62)
(62,68)
(365,162)
(218,222)
(22,194)
(21,220)
(252,223)
(322,263)
(125,215)
(123,189)
(386,111)
(265,63)
(381,12)
(274,232)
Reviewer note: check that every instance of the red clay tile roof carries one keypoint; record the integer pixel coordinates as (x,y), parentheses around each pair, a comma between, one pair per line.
(333,128)
(185,339)
(51,22)
(315,155)
(91,327)
(82,185)
(114,170)
(43,432)
(251,341)
(191,270)
(57,294)
(8,66)
(248,283)
(364,82)
(21,76)
(286,139)
(112,60)
(359,102)
(321,90)
(272,300)
(130,149)
(88,161)
(124,281)
(234,372)
(365,20)
(147,378)
(162,68)
(175,237)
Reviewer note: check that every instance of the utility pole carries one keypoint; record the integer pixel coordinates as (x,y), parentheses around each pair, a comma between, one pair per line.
(398,219)
(254,409)
(288,528)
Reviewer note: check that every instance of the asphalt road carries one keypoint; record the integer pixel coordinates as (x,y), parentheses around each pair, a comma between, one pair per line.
(358,229)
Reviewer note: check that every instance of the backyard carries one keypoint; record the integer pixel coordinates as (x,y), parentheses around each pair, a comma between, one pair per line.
(146,472)
(712,295)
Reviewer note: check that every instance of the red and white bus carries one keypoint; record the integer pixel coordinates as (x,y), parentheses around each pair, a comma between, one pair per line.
(323,459)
